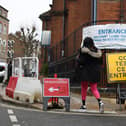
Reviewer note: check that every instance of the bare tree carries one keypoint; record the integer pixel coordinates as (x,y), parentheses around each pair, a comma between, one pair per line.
(28,37)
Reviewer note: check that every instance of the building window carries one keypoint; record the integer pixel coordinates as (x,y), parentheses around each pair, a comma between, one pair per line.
(0,41)
(0,27)
(5,29)
(4,43)
(0,12)
(4,15)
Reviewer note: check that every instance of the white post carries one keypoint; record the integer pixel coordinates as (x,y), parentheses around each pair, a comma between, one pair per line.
(20,67)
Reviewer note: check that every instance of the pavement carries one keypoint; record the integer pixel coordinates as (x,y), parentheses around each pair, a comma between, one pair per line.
(110,106)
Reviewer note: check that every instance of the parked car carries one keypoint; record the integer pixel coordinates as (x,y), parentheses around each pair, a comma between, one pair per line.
(3,72)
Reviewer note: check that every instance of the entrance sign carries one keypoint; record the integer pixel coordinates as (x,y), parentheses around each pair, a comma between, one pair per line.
(109,36)
(55,87)
(116,67)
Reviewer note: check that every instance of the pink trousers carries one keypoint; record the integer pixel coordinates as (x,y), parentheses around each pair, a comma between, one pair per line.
(94,90)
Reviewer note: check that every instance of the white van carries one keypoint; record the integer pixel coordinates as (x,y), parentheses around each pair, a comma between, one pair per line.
(3,72)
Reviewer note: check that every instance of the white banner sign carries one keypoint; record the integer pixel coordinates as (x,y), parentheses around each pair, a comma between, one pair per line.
(109,36)
(46,37)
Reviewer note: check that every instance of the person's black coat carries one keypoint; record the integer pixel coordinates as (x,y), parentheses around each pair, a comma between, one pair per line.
(9,70)
(90,68)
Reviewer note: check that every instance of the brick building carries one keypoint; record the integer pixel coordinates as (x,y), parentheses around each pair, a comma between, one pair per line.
(4,25)
(17,45)
(66,18)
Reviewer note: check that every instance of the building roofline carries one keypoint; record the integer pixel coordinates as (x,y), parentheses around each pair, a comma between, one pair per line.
(45,15)
(3,8)
(4,18)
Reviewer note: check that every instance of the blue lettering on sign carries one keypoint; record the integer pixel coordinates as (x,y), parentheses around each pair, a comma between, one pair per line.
(111,31)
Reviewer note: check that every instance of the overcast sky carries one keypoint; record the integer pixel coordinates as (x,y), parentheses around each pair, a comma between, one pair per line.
(25,12)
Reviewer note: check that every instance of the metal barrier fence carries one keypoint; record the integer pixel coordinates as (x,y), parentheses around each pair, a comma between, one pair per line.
(62,55)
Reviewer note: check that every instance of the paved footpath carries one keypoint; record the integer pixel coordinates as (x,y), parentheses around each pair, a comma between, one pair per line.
(110,105)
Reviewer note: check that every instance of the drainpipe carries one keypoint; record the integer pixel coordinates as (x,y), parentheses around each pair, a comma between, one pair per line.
(121,11)
(94,11)
(45,50)
(64,8)
(63,27)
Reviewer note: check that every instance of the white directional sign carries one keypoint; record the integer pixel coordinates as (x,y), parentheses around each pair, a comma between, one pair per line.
(53,89)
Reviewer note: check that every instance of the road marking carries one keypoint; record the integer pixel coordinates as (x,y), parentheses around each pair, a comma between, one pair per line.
(13,118)
(10,111)
(16,125)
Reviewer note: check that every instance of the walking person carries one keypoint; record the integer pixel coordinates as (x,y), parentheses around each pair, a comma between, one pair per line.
(9,70)
(90,66)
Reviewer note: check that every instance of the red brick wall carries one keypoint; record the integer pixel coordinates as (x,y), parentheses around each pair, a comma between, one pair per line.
(18,46)
(124,5)
(108,10)
(56,29)
(79,12)
(46,25)
(58,5)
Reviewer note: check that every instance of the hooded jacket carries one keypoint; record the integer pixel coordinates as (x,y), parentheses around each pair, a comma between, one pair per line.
(91,67)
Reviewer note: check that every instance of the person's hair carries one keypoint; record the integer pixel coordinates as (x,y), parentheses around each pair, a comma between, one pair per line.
(88,42)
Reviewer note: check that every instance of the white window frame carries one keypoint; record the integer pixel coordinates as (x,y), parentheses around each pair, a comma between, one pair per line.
(0,12)
(4,14)
(5,29)
(1,25)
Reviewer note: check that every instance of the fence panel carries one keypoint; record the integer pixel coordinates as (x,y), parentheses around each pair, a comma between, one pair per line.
(64,65)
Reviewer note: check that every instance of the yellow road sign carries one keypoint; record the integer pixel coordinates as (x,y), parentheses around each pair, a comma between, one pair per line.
(116,67)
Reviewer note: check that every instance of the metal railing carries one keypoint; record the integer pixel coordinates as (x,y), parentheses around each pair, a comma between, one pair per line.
(62,60)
